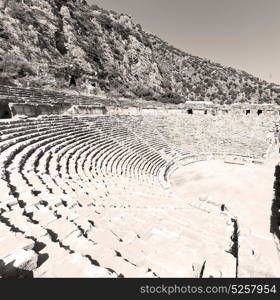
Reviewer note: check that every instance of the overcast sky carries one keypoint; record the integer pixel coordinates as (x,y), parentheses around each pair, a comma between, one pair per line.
(244,34)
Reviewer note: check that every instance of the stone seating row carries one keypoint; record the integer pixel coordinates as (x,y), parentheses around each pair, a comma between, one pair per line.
(86,192)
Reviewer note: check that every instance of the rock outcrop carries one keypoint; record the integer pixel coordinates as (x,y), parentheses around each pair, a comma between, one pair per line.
(72,45)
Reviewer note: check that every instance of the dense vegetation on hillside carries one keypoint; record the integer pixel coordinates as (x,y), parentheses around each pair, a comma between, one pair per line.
(72,45)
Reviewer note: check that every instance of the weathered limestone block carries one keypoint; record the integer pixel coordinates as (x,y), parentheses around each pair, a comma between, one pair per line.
(75,265)
(220,265)
(252,263)
(19,264)
(13,243)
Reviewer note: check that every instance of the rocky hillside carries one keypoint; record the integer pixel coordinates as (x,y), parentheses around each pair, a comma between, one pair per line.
(71,45)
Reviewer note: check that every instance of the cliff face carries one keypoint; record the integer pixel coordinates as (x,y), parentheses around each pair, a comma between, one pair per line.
(71,45)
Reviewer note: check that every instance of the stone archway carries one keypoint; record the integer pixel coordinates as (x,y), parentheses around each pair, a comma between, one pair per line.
(5,112)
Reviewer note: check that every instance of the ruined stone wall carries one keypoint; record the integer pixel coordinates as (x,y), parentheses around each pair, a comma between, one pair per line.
(146,109)
(87,110)
(35,110)
(91,106)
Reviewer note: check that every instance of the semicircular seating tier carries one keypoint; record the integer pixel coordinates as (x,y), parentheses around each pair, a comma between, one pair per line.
(89,195)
